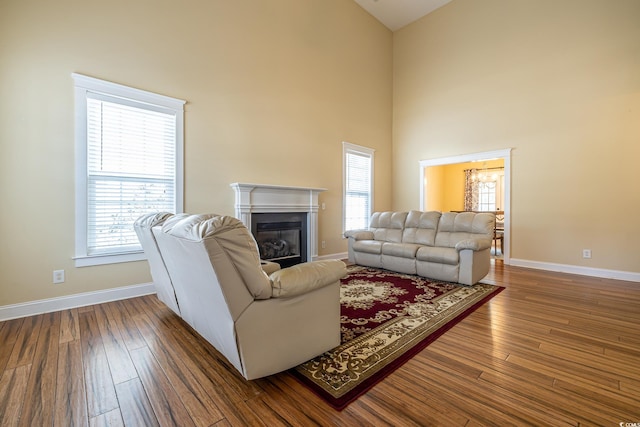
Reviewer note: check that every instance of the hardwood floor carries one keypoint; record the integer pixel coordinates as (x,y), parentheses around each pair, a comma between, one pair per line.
(551,349)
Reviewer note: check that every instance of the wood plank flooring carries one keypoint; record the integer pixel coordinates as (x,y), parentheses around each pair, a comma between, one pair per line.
(551,349)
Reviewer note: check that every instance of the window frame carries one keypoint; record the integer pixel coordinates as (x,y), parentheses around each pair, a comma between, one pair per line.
(498,190)
(349,148)
(84,85)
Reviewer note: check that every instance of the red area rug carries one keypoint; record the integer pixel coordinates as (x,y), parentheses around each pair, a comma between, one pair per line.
(386,318)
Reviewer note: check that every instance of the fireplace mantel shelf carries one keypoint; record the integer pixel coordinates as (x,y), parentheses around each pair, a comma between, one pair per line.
(250,186)
(264,198)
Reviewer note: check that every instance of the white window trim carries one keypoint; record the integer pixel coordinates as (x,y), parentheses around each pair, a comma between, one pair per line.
(82,85)
(348,147)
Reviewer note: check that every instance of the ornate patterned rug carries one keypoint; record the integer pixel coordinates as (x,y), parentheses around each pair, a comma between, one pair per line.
(386,318)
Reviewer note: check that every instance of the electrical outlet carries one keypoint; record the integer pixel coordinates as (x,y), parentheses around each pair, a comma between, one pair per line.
(324,244)
(586,253)
(58,276)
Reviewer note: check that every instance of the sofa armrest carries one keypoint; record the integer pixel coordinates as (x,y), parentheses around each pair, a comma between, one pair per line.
(473,244)
(269,267)
(303,278)
(359,234)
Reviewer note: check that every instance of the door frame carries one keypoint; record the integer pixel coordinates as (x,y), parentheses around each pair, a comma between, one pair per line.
(505,155)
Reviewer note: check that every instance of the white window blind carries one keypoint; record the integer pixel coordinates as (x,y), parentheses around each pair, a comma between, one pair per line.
(130,170)
(129,149)
(358,186)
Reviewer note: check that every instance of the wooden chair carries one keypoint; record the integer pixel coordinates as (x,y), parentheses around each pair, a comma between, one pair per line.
(498,231)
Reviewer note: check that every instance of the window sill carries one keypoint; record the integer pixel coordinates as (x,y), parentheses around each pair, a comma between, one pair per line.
(88,261)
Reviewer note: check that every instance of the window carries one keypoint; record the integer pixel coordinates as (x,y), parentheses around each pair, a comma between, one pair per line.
(128,162)
(487,196)
(484,189)
(358,186)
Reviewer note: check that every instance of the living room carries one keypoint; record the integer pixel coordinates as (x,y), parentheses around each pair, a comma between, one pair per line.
(274,88)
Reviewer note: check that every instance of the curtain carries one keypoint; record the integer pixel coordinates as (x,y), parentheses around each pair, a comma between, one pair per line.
(470,190)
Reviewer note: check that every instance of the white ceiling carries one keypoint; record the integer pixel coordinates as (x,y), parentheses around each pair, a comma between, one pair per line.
(395,14)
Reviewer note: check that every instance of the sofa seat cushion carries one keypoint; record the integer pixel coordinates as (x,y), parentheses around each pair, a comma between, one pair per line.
(404,250)
(368,246)
(438,254)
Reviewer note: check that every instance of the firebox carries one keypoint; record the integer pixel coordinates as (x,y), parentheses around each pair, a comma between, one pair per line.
(281,237)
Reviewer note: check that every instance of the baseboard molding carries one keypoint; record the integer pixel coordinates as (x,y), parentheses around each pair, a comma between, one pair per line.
(343,255)
(32,308)
(575,269)
(72,301)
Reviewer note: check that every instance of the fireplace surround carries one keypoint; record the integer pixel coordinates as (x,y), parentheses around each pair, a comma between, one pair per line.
(283,202)
(281,237)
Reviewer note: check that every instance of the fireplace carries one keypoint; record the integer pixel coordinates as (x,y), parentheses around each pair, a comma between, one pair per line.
(299,203)
(281,237)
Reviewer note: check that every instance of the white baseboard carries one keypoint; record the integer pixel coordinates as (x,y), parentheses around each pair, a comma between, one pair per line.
(32,308)
(72,301)
(343,255)
(575,269)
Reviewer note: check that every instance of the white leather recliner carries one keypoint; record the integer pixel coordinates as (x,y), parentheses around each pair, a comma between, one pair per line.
(262,324)
(159,274)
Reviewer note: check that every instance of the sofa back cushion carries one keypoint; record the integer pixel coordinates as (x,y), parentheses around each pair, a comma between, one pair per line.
(388,226)
(454,227)
(420,227)
(214,262)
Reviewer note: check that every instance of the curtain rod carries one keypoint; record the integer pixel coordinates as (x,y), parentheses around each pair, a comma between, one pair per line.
(485,169)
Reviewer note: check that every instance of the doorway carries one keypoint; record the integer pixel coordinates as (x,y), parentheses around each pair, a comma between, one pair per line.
(427,191)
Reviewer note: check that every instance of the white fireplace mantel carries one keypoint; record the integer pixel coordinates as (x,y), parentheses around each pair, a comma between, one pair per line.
(261,198)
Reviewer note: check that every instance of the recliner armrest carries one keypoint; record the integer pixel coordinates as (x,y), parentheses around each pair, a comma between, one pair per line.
(359,234)
(473,244)
(303,278)
(269,267)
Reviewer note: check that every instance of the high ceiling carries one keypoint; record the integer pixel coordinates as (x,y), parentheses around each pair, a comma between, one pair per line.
(395,14)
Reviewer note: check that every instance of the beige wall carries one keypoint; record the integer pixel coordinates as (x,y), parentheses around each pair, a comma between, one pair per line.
(272,90)
(559,82)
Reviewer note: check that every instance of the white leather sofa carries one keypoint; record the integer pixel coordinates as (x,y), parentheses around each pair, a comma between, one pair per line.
(454,247)
(262,324)
(161,280)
